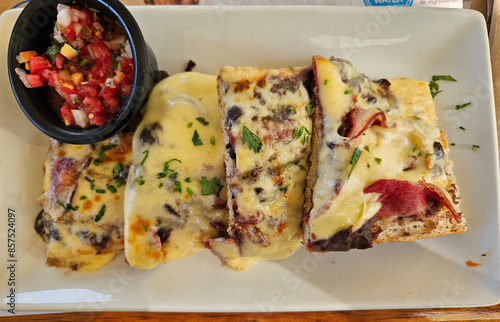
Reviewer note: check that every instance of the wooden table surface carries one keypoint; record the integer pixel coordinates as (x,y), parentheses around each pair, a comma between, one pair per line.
(490,313)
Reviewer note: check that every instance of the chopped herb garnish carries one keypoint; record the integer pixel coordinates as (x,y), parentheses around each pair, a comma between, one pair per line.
(212,140)
(326,82)
(177,186)
(459,107)
(166,169)
(57,26)
(378,160)
(348,245)
(61,204)
(118,184)
(419,154)
(415,149)
(51,52)
(354,160)
(462,128)
(368,165)
(443,77)
(285,188)
(100,213)
(302,167)
(292,69)
(189,191)
(273,110)
(349,91)
(429,155)
(254,142)
(483,255)
(214,186)
(111,188)
(367,148)
(286,87)
(291,108)
(475,146)
(141,181)
(196,139)
(452,144)
(202,121)
(145,228)
(67,206)
(188,179)
(104,148)
(160,185)
(298,132)
(92,184)
(114,65)
(309,108)
(100,190)
(83,197)
(434,87)
(146,154)
(84,62)
(189,125)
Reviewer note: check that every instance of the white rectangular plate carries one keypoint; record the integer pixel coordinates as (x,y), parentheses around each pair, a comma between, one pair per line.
(415,43)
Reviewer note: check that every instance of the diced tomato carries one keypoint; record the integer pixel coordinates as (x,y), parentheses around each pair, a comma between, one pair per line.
(37,63)
(101,52)
(45,74)
(59,60)
(54,79)
(68,94)
(93,105)
(67,115)
(34,80)
(69,32)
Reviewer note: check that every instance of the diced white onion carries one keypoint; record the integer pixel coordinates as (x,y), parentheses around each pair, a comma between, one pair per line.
(109,82)
(77,44)
(59,37)
(20,59)
(77,14)
(63,15)
(116,43)
(98,26)
(128,50)
(78,28)
(91,52)
(81,118)
(22,76)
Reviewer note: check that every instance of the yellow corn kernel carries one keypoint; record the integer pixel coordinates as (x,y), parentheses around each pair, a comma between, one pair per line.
(77,78)
(68,51)
(98,34)
(68,85)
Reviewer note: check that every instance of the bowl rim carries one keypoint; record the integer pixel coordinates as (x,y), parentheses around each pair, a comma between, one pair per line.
(130,107)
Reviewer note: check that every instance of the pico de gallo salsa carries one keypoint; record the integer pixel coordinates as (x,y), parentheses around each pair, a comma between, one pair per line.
(89,64)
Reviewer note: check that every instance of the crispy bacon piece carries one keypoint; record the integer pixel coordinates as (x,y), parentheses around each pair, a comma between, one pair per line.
(359,119)
(404,198)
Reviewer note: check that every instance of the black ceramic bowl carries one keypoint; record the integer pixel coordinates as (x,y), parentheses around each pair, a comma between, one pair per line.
(32,32)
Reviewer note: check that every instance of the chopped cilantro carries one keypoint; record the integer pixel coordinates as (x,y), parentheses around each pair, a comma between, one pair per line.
(83,197)
(100,213)
(443,77)
(429,155)
(141,181)
(302,131)
(92,183)
(214,186)
(188,179)
(166,169)
(462,128)
(302,167)
(378,160)
(254,142)
(292,69)
(111,188)
(349,91)
(452,144)
(196,139)
(285,188)
(367,148)
(461,106)
(309,108)
(145,228)
(354,160)
(202,121)
(189,191)
(212,140)
(326,82)
(475,146)
(190,124)
(177,186)
(146,154)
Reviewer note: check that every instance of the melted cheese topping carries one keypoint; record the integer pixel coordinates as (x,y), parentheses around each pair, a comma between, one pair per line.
(266,187)
(403,150)
(83,202)
(166,216)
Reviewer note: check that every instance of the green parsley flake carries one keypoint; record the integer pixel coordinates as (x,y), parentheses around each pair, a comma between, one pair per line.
(378,160)
(354,160)
(292,69)
(196,139)
(309,108)
(367,148)
(92,183)
(177,186)
(166,169)
(100,190)
(286,87)
(302,132)
(140,180)
(145,228)
(452,144)
(302,167)
(273,110)
(462,128)
(146,154)
(189,125)
(443,77)
(254,142)
(429,155)
(285,188)
(202,121)
(212,140)
(368,165)
(83,197)
(188,179)
(111,188)
(326,82)
(475,146)
(459,107)
(100,213)
(189,191)
(349,91)
(208,188)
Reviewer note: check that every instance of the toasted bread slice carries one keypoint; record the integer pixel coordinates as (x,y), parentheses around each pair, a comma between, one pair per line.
(383,172)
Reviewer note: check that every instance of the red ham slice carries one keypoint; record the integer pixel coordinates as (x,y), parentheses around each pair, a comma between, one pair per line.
(360,119)
(404,198)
